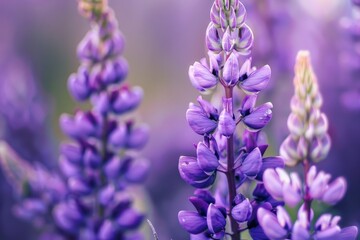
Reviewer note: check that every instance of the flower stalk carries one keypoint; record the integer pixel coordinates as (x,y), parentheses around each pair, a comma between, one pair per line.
(307,144)
(236,156)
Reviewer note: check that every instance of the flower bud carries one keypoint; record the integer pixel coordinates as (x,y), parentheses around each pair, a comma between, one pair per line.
(213,40)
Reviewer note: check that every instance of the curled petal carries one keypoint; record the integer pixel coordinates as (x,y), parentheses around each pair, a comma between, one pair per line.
(257,80)
(231,72)
(192,222)
(300,232)
(248,104)
(348,233)
(213,40)
(270,224)
(107,230)
(259,118)
(215,219)
(227,124)
(126,100)
(242,211)
(246,40)
(288,150)
(206,158)
(252,163)
(273,184)
(199,120)
(201,77)
(335,191)
(129,219)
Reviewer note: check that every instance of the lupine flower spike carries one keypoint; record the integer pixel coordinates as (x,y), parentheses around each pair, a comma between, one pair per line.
(307,143)
(101,161)
(227,154)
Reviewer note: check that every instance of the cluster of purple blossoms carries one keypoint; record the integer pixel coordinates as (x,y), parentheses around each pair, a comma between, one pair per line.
(91,198)
(232,153)
(307,143)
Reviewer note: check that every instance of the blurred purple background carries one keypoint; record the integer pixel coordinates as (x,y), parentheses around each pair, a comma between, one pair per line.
(163,37)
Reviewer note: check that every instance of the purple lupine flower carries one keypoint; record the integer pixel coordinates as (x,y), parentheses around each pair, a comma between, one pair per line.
(97,176)
(225,154)
(307,125)
(90,198)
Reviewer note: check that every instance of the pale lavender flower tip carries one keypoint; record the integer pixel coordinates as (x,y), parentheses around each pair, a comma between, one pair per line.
(270,224)
(213,40)
(335,191)
(348,233)
(273,184)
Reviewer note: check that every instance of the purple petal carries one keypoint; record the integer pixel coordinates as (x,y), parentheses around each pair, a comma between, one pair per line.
(227,41)
(118,137)
(348,233)
(138,137)
(107,230)
(199,121)
(201,77)
(125,99)
(246,40)
(227,124)
(242,211)
(200,205)
(273,184)
(107,194)
(215,219)
(129,219)
(270,224)
(208,108)
(72,152)
(259,118)
(137,171)
(231,72)
(240,14)
(252,163)
(335,191)
(300,232)
(257,80)
(112,167)
(248,104)
(205,195)
(206,158)
(213,41)
(78,85)
(192,222)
